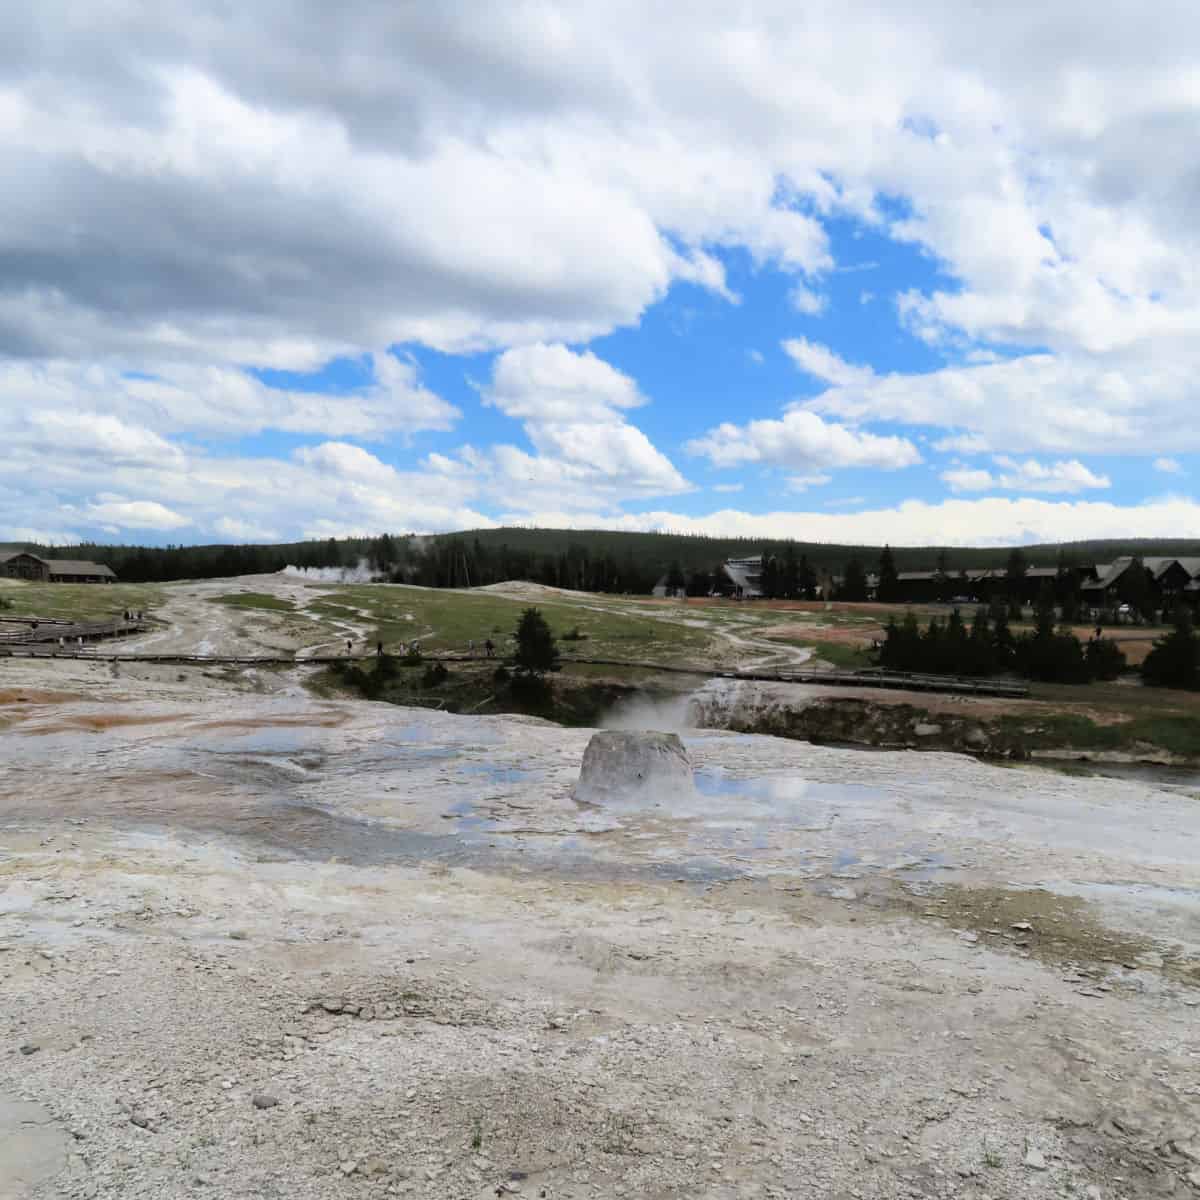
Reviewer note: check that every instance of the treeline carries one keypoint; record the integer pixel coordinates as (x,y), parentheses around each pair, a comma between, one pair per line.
(463,562)
(655,551)
(988,647)
(592,560)
(159,564)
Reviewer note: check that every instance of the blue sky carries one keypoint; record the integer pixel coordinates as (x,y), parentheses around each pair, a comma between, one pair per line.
(930,284)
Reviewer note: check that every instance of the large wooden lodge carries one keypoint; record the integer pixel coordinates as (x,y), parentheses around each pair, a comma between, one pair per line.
(21,565)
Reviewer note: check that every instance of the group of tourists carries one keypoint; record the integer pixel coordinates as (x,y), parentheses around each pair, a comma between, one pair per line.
(413,648)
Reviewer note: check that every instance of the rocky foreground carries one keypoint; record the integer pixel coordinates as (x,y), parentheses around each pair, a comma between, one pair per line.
(257,945)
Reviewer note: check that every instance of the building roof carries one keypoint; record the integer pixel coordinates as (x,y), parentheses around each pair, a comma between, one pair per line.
(745,573)
(1108,573)
(75,566)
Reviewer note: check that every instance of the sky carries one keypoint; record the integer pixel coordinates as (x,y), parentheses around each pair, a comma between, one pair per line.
(844,271)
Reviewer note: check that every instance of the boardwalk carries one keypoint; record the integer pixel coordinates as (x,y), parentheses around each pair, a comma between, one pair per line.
(39,631)
(945,684)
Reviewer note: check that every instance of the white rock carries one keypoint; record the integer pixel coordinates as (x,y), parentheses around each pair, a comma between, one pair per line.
(619,765)
(1034,1158)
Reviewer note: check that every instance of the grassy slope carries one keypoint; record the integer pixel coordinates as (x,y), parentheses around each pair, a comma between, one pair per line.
(257,600)
(81,601)
(446,620)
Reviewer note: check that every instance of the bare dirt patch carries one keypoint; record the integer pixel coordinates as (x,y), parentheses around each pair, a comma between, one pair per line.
(99,722)
(36,696)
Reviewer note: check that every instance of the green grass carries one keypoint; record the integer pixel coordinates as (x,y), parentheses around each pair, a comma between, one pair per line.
(843,655)
(447,621)
(81,601)
(255,600)
(1177,734)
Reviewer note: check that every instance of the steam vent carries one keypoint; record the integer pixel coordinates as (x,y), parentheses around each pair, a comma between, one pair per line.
(622,766)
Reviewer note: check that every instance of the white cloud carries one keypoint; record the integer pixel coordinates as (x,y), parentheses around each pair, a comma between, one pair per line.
(962,443)
(190,190)
(1039,402)
(112,511)
(802,441)
(40,537)
(572,406)
(805,300)
(728,487)
(552,384)
(993,521)
(968,479)
(822,363)
(1029,476)
(244,531)
(801,483)
(1168,466)
(115,413)
(273,191)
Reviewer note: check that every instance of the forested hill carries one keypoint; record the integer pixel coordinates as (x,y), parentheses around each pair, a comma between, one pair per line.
(597,560)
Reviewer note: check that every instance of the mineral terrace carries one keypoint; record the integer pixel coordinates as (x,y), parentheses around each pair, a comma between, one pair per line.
(258,944)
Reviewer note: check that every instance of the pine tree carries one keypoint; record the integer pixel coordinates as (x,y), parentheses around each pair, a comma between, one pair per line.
(888,577)
(537,650)
(1175,659)
(943,576)
(808,579)
(789,573)
(1014,581)
(854,581)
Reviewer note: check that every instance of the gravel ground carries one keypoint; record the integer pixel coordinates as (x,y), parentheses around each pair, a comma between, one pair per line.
(257,945)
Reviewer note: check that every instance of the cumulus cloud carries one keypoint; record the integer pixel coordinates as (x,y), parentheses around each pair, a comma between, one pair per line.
(822,363)
(1039,402)
(555,385)
(801,483)
(118,514)
(1068,475)
(962,443)
(247,189)
(802,441)
(992,521)
(572,406)
(120,413)
(1168,466)
(805,300)
(192,190)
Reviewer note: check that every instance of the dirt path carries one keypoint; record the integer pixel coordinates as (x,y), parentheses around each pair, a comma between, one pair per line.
(749,649)
(196,623)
